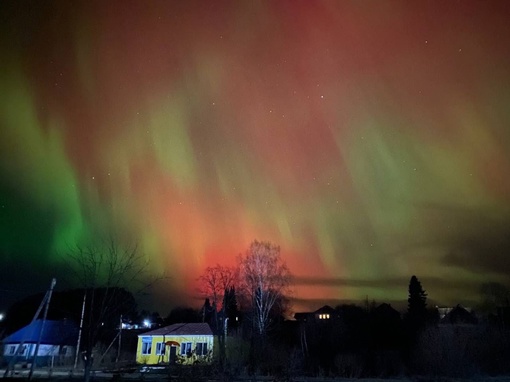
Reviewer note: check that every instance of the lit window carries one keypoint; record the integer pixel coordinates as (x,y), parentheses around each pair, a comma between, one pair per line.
(146,345)
(160,348)
(23,350)
(201,348)
(186,348)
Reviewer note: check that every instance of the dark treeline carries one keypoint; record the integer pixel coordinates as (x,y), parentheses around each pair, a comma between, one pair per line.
(68,305)
(353,341)
(375,340)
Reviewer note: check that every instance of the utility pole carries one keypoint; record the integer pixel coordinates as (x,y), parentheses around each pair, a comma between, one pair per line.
(53,282)
(81,329)
(120,340)
(226,327)
(19,350)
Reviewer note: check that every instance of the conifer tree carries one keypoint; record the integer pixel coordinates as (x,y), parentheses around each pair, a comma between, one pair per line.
(230,306)
(417,301)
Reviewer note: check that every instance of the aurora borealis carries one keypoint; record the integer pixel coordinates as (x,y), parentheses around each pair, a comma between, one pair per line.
(369,139)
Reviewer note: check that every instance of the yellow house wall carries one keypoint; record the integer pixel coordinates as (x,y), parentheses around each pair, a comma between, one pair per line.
(154,359)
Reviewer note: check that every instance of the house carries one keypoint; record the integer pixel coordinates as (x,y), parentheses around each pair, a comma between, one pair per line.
(185,343)
(459,316)
(385,312)
(57,343)
(324,314)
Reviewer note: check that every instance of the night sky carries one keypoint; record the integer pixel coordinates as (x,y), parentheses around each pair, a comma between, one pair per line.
(369,139)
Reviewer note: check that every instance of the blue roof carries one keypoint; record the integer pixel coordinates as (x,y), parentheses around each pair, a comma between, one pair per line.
(63,332)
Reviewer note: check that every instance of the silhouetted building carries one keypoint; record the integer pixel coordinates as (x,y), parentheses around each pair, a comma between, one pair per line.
(387,312)
(324,314)
(459,316)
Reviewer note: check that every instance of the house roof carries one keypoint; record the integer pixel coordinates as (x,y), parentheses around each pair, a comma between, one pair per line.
(387,310)
(325,309)
(459,315)
(62,332)
(182,329)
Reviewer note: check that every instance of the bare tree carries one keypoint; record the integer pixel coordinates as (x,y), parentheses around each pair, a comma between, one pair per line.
(104,271)
(264,279)
(215,281)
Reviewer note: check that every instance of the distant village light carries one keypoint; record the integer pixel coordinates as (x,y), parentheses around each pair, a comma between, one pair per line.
(146,323)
